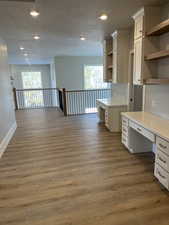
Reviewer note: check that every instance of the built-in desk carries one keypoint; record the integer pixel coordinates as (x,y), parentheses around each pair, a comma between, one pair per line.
(109,111)
(144,132)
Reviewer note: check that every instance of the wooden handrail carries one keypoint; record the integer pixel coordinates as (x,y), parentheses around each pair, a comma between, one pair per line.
(36,89)
(87,90)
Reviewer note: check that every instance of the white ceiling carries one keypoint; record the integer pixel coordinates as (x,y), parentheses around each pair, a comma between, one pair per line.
(60,25)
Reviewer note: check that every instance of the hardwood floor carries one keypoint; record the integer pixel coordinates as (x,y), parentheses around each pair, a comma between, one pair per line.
(71,171)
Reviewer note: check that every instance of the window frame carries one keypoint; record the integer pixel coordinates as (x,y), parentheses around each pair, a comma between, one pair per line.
(32,72)
(85,65)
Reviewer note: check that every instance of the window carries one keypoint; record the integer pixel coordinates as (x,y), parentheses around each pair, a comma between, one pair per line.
(93,77)
(31,80)
(32,98)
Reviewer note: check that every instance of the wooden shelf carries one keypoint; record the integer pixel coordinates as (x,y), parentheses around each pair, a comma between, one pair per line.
(158,55)
(157,81)
(159,29)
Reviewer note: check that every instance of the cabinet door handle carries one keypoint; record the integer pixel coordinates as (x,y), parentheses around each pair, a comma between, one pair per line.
(124,140)
(162,146)
(162,160)
(161,174)
(139,129)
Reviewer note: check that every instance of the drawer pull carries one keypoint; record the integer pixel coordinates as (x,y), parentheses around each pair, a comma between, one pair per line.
(161,174)
(162,160)
(139,129)
(124,130)
(124,140)
(162,146)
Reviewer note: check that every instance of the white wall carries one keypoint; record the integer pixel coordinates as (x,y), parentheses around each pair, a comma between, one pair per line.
(7,114)
(157,100)
(70,70)
(16,71)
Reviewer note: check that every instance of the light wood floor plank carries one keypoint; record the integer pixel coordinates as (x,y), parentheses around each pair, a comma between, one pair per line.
(71,171)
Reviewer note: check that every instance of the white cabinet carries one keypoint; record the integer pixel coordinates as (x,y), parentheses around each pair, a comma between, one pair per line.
(144,20)
(138,56)
(141,133)
(162,175)
(138,47)
(162,161)
(115,72)
(139,25)
(121,49)
(109,112)
(125,132)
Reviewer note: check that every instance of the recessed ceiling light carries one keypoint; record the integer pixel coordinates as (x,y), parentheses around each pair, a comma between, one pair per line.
(36,37)
(82,38)
(103,17)
(34,13)
(21,48)
(25,54)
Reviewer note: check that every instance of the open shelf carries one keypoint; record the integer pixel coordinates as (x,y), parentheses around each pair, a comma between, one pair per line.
(158,55)
(157,81)
(159,29)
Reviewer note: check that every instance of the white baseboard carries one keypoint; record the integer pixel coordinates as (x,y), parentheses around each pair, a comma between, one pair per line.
(7,138)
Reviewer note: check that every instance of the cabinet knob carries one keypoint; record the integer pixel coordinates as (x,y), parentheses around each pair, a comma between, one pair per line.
(162,160)
(162,146)
(161,174)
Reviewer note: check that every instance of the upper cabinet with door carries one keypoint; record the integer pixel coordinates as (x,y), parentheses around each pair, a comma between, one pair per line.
(144,20)
(116,57)
(121,51)
(139,24)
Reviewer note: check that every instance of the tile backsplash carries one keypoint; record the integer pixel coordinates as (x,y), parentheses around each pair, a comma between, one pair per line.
(120,91)
(156,100)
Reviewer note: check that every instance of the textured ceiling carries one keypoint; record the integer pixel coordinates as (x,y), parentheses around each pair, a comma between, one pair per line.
(60,25)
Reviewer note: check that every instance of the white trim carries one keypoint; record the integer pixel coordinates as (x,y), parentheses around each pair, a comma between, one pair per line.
(7,138)
(139,13)
(144,98)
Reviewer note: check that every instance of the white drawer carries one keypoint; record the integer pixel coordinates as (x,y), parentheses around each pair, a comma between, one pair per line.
(106,116)
(162,159)
(124,140)
(125,121)
(125,130)
(161,175)
(142,131)
(162,145)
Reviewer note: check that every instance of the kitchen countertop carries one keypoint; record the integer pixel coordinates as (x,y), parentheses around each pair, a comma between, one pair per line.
(111,102)
(151,122)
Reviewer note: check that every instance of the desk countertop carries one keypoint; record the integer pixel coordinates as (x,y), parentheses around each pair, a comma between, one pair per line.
(154,123)
(112,102)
